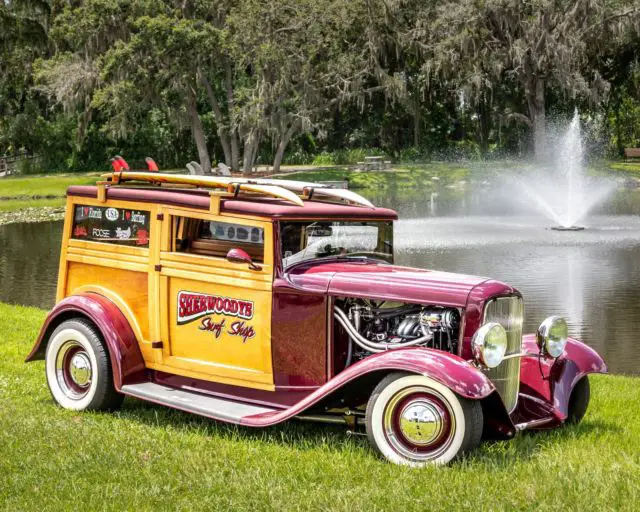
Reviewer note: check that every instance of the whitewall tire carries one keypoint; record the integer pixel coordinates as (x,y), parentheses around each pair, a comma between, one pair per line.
(78,369)
(414,420)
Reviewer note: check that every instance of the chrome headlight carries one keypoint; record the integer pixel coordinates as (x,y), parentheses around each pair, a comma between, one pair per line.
(552,335)
(490,344)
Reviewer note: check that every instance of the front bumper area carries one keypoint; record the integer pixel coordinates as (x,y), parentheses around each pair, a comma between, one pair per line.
(546,385)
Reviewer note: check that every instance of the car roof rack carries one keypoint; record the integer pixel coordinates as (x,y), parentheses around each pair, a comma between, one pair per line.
(222,188)
(231,187)
(311,191)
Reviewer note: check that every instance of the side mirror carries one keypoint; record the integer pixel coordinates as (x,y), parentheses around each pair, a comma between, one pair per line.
(239,256)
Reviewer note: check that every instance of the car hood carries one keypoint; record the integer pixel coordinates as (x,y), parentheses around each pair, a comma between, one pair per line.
(382,281)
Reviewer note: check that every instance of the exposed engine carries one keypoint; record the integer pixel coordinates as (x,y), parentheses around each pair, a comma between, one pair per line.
(378,326)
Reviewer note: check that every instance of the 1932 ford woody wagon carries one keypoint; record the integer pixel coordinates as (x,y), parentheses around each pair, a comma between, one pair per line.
(257,302)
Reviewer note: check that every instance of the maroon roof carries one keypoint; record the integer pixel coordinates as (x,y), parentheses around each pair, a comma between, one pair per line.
(264,207)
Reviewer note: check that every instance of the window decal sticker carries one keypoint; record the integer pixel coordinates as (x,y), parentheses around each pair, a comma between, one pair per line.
(121,226)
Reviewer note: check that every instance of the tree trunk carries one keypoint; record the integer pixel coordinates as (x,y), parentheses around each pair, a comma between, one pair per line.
(619,144)
(83,123)
(235,151)
(416,130)
(484,116)
(220,121)
(282,146)
(233,134)
(250,149)
(198,134)
(537,115)
(417,121)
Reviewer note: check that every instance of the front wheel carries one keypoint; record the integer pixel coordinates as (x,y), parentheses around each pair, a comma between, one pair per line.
(579,401)
(414,420)
(78,369)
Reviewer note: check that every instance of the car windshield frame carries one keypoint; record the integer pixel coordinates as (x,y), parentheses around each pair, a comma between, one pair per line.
(318,239)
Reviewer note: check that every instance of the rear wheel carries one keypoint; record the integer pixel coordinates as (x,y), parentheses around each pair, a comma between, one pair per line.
(579,401)
(415,420)
(78,369)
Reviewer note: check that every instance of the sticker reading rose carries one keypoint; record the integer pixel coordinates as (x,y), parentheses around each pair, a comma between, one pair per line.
(195,305)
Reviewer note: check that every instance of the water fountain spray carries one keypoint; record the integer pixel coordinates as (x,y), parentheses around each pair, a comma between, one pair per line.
(565,195)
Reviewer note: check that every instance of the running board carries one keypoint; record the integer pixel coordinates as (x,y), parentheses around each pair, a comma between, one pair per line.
(196,403)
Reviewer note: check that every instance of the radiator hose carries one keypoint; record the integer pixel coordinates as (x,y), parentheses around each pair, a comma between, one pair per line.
(369,345)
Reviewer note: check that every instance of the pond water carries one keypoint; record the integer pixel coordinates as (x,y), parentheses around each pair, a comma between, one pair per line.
(29,256)
(591,277)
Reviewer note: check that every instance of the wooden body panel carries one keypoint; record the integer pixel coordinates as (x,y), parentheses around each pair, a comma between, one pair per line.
(119,273)
(214,342)
(127,287)
(145,284)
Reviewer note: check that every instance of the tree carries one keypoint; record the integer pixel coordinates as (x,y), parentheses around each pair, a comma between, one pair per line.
(299,58)
(23,38)
(538,44)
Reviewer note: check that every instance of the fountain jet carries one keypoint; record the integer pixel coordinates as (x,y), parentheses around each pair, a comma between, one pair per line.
(565,195)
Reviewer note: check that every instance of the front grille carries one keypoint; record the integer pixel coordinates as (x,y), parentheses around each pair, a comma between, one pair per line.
(508,312)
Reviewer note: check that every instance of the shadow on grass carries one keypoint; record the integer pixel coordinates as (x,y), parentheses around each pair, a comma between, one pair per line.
(292,432)
(529,444)
(307,436)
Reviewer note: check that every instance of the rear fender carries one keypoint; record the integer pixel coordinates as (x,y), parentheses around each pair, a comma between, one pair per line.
(553,380)
(448,369)
(124,351)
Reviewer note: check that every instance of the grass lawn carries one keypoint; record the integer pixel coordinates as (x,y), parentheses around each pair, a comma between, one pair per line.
(149,457)
(43,186)
(630,166)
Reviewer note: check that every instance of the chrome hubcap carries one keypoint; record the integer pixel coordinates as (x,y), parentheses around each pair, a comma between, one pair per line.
(80,369)
(421,422)
(73,370)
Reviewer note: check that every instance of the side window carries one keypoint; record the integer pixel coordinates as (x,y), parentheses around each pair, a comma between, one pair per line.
(121,226)
(215,238)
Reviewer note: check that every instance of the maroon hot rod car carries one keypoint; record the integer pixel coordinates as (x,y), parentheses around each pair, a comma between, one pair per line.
(255,302)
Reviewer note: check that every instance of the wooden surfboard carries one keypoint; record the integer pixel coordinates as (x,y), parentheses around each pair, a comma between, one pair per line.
(216,182)
(320,191)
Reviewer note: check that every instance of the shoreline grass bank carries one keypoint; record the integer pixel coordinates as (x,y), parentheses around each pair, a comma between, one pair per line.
(149,457)
(37,198)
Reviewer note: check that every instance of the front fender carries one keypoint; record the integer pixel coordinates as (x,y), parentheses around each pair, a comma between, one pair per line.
(448,369)
(124,351)
(552,380)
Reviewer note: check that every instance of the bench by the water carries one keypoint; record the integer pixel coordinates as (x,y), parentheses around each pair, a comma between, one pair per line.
(374,163)
(631,153)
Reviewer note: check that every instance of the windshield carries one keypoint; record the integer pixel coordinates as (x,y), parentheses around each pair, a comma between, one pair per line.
(305,240)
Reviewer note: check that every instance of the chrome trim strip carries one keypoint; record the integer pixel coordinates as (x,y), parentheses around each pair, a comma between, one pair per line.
(533,423)
(522,354)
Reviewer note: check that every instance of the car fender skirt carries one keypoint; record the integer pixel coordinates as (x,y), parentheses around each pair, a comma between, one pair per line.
(549,382)
(448,369)
(124,351)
